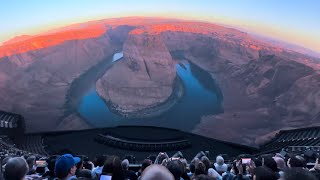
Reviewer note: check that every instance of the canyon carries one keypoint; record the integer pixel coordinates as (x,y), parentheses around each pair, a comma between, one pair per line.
(265,88)
(143,79)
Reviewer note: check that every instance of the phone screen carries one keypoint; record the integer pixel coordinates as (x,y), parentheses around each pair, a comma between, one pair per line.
(283,153)
(245,160)
(105,177)
(41,163)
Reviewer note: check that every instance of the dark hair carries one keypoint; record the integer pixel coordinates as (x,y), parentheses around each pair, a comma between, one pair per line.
(192,165)
(257,161)
(298,174)
(175,167)
(236,170)
(145,164)
(51,164)
(271,163)
(113,166)
(100,160)
(229,168)
(204,177)
(16,168)
(63,174)
(264,173)
(297,161)
(200,168)
(80,164)
(234,166)
(31,160)
(85,173)
(206,162)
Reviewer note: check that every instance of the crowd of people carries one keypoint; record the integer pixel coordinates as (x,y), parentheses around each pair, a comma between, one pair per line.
(8,149)
(111,167)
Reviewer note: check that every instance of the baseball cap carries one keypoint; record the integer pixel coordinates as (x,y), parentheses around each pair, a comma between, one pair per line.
(65,163)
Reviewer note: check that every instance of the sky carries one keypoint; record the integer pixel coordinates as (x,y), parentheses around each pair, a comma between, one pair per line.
(295,21)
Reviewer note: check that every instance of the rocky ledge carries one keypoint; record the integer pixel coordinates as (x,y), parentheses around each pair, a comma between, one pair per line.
(143,79)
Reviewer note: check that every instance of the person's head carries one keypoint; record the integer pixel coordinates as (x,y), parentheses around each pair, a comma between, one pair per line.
(145,164)
(184,163)
(113,167)
(280,162)
(235,170)
(229,168)
(206,162)
(192,165)
(65,166)
(176,168)
(156,172)
(84,173)
(257,161)
(51,164)
(219,160)
(297,173)
(100,160)
(200,168)
(296,161)
(204,177)
(15,169)
(79,165)
(31,160)
(5,160)
(125,164)
(264,173)
(271,163)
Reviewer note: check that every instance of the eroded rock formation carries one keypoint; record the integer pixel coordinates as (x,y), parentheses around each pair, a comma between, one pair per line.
(143,78)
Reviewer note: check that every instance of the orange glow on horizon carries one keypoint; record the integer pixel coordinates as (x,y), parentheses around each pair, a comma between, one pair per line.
(268,30)
(152,26)
(43,41)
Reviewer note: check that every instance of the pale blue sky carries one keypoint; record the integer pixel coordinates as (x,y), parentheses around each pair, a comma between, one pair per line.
(297,21)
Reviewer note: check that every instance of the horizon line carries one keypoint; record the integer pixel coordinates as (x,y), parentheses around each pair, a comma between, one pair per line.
(251,32)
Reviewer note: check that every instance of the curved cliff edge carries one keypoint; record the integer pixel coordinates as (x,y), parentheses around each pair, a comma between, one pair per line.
(144,83)
(262,97)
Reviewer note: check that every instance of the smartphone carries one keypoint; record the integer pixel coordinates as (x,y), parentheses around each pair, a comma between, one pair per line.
(207,153)
(175,158)
(283,153)
(41,163)
(105,177)
(245,160)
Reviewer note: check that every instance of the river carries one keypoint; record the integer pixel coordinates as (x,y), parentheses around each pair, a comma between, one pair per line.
(201,97)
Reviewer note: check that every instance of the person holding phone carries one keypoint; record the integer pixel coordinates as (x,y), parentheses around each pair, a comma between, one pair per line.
(238,169)
(99,161)
(161,156)
(31,160)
